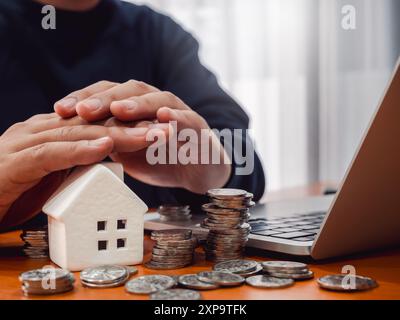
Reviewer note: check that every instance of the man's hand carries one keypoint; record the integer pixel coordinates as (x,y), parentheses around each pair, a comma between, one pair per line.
(138,101)
(35,154)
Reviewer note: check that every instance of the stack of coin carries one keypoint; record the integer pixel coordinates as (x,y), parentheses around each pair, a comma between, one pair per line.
(287,270)
(231,199)
(36,243)
(108,276)
(174,249)
(244,268)
(174,213)
(227,217)
(46,281)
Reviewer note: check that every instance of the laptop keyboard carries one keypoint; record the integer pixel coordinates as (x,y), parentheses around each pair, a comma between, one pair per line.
(302,227)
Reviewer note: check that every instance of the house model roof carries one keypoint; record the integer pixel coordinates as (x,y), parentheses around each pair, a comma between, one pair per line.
(86,185)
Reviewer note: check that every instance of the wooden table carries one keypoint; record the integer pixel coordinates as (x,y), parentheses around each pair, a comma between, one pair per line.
(383,266)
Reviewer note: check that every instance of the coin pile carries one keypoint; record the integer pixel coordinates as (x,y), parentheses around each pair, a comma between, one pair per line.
(46,281)
(244,268)
(267,282)
(191,281)
(174,249)
(220,278)
(345,283)
(36,243)
(174,213)
(176,294)
(287,270)
(107,276)
(227,222)
(150,284)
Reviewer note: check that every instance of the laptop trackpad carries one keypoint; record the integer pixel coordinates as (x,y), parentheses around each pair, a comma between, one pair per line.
(291,207)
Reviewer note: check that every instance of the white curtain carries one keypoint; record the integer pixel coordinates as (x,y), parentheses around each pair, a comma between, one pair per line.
(309,86)
(355,67)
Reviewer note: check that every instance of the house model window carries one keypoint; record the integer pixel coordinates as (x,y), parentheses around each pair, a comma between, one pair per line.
(101,225)
(102,245)
(121,224)
(121,243)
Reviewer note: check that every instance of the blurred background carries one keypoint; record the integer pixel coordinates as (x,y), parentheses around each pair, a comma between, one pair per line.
(309,85)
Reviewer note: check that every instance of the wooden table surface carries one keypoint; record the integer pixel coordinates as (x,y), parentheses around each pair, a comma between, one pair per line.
(383,266)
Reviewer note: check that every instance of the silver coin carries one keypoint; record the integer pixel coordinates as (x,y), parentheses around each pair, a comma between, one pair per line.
(289,272)
(171,261)
(57,287)
(224,279)
(174,255)
(263,281)
(28,292)
(277,266)
(176,294)
(229,239)
(178,243)
(149,284)
(38,257)
(32,281)
(38,285)
(234,205)
(252,273)
(192,282)
(167,252)
(236,266)
(38,231)
(209,207)
(244,229)
(132,270)
(342,282)
(175,213)
(175,233)
(113,284)
(173,207)
(226,193)
(103,274)
(185,217)
(232,222)
(40,274)
(35,249)
(162,266)
(295,276)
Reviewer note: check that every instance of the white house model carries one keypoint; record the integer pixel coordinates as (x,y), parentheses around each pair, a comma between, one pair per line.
(95,219)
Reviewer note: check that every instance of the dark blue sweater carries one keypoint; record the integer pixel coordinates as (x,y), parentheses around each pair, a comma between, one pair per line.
(115,41)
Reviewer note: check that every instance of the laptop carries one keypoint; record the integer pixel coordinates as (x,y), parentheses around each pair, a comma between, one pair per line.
(363,215)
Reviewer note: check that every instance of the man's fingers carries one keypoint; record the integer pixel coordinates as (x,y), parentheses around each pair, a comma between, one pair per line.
(37,162)
(125,139)
(184,118)
(66,107)
(97,106)
(26,126)
(114,122)
(145,106)
(55,123)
